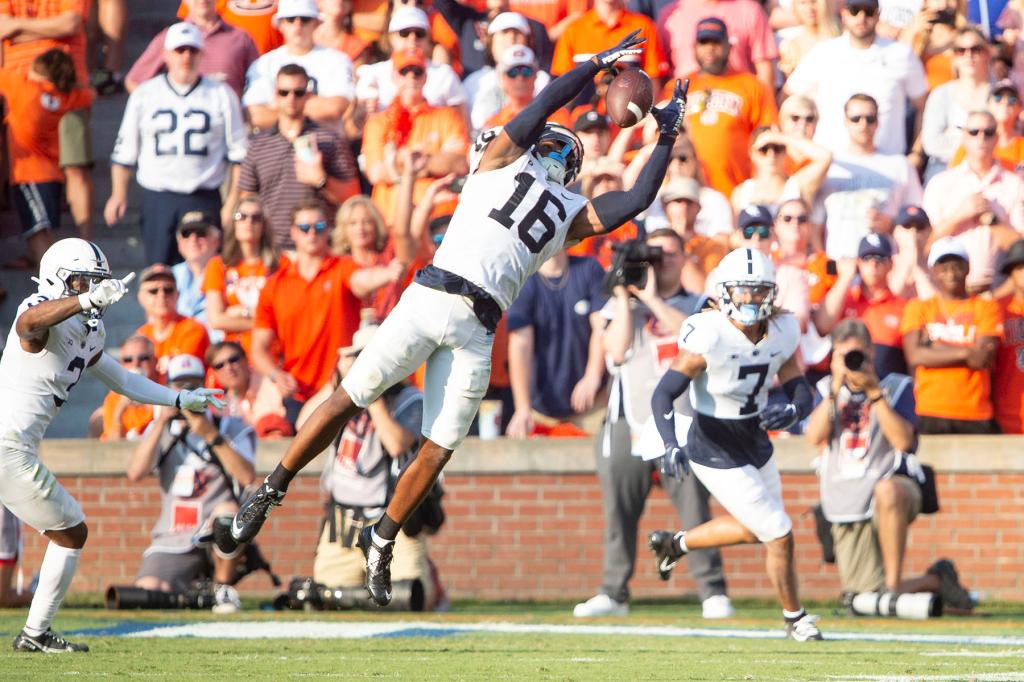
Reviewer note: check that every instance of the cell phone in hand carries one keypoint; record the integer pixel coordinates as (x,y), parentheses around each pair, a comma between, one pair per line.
(305,148)
(457,184)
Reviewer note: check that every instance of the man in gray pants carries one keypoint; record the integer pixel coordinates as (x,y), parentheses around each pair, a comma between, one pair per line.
(640,341)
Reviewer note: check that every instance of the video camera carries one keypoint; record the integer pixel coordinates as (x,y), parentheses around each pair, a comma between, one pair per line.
(629,264)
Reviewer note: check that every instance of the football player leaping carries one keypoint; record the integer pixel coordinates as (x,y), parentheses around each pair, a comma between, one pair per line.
(731,355)
(58,335)
(514,214)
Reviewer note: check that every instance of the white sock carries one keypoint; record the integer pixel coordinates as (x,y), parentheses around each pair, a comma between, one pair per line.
(55,574)
(378,540)
(793,615)
(681,541)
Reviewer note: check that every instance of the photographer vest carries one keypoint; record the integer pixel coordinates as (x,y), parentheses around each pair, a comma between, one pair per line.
(192,483)
(858,454)
(648,358)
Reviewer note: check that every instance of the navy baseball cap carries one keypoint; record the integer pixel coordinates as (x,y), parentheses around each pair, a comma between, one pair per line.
(712,28)
(870,4)
(755,215)
(1014,257)
(875,245)
(913,216)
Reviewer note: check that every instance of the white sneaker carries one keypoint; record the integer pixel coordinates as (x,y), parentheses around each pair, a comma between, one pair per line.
(805,629)
(718,606)
(600,605)
(226,601)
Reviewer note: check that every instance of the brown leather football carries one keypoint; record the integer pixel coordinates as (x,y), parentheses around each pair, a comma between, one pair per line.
(629,98)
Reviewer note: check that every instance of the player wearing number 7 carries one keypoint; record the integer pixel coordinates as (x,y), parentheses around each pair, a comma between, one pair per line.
(57,336)
(729,355)
(514,214)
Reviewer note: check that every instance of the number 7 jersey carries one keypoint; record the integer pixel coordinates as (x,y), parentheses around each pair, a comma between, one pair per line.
(508,222)
(739,373)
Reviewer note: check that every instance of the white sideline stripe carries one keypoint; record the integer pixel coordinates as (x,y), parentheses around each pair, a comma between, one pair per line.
(974,677)
(1012,653)
(361,629)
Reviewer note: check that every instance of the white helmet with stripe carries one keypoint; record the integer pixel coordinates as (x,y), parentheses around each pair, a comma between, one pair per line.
(70,267)
(746,286)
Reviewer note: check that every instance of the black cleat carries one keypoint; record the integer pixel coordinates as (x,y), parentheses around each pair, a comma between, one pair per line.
(378,566)
(254,512)
(666,551)
(952,592)
(47,643)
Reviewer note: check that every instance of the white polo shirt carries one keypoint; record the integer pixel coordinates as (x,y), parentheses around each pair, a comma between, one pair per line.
(442,88)
(834,70)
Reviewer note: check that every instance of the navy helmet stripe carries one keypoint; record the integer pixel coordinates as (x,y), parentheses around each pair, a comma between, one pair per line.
(750,262)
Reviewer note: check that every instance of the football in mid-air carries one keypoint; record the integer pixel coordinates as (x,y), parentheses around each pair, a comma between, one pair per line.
(629,98)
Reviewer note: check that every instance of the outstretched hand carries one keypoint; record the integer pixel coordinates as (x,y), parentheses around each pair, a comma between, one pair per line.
(670,117)
(630,45)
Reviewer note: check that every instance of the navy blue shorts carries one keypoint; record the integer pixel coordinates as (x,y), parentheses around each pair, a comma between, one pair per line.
(38,206)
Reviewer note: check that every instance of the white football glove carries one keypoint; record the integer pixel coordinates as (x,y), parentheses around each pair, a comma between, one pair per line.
(106,293)
(197,400)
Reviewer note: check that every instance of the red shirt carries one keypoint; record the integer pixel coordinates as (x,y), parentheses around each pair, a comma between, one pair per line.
(1008,382)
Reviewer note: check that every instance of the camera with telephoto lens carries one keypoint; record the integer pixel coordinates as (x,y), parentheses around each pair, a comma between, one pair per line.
(854,360)
(629,264)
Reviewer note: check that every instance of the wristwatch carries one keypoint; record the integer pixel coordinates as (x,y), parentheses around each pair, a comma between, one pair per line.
(872,401)
(219,440)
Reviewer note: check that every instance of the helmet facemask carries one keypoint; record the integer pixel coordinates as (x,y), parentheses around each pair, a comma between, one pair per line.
(747,302)
(560,153)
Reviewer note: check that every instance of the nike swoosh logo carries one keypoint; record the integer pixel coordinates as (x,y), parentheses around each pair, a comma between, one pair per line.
(669,415)
(667,565)
(236,530)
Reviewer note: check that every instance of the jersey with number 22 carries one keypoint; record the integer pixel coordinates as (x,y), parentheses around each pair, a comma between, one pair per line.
(508,222)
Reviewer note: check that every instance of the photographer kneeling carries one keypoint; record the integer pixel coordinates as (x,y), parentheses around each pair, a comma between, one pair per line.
(203,463)
(871,484)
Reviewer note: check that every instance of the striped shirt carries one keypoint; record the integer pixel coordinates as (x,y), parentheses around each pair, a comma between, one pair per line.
(269,171)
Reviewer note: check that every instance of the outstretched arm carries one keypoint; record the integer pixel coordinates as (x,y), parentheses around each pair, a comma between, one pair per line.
(612,209)
(522,131)
(142,390)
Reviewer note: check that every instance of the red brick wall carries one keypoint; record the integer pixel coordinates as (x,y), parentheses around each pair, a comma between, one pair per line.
(539,536)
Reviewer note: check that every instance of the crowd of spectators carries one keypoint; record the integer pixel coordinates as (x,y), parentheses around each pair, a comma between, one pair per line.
(300,159)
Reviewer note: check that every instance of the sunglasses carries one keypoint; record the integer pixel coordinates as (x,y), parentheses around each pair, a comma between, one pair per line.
(798,219)
(871,119)
(418,32)
(167,290)
(319,226)
(1006,97)
(517,71)
(810,118)
(227,361)
(132,359)
(762,231)
(773,148)
(301,20)
(190,232)
(186,48)
(868,12)
(239,215)
(973,49)
(683,158)
(989,133)
(298,92)
(416,71)
(876,258)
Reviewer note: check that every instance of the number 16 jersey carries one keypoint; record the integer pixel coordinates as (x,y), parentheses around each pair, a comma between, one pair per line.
(730,393)
(508,222)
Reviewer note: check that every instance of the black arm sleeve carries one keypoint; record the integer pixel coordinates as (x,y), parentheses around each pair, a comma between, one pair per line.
(799,393)
(672,385)
(528,124)
(616,208)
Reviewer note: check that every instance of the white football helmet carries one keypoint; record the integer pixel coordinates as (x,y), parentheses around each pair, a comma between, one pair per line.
(747,275)
(560,152)
(71,267)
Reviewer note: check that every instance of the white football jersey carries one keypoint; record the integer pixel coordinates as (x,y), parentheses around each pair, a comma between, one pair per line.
(508,222)
(739,373)
(181,142)
(34,386)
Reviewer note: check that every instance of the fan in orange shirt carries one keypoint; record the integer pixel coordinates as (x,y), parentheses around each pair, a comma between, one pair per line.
(723,109)
(951,342)
(123,419)
(1008,379)
(252,16)
(36,102)
(172,334)
(233,280)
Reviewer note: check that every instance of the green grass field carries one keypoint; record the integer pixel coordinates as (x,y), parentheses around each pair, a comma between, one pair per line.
(531,656)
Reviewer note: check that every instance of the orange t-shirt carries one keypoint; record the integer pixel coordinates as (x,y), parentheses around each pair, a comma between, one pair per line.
(708,252)
(187,337)
(953,392)
(1008,382)
(721,113)
(938,69)
(34,110)
(238,285)
(600,246)
(252,16)
(819,278)
(312,319)
(589,35)
(434,130)
(134,420)
(19,56)
(1009,156)
(549,12)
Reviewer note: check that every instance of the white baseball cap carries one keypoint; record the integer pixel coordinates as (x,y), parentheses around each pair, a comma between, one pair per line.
(509,20)
(183,34)
(517,55)
(185,367)
(408,17)
(947,246)
(286,9)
